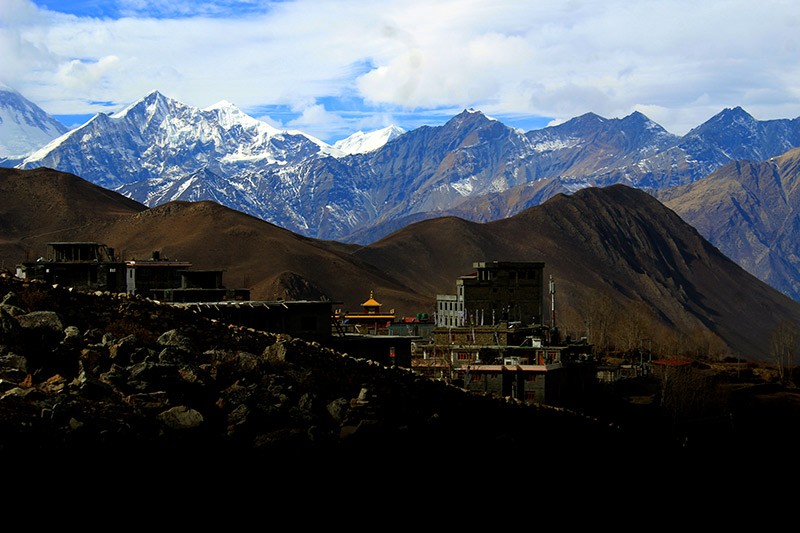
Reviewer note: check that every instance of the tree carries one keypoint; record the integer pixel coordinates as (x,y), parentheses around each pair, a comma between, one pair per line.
(599,315)
(703,344)
(635,323)
(783,345)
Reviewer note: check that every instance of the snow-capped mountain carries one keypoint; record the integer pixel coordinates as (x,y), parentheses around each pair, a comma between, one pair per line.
(370,184)
(360,142)
(24,126)
(160,138)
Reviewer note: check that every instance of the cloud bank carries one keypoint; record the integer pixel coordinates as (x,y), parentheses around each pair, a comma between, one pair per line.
(331,68)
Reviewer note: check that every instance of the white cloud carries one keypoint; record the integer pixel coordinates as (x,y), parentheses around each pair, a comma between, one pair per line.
(681,60)
(315,118)
(83,75)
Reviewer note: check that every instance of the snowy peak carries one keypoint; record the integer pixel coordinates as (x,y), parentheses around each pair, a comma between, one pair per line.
(469,118)
(153,108)
(159,137)
(24,126)
(222,104)
(229,116)
(360,142)
(732,116)
(639,120)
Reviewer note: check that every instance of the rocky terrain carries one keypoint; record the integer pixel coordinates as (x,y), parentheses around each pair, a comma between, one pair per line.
(107,374)
(748,210)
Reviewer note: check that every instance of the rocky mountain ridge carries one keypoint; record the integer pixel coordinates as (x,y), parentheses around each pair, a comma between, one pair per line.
(750,210)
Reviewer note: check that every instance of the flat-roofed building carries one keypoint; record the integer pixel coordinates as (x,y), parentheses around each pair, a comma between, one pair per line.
(497,291)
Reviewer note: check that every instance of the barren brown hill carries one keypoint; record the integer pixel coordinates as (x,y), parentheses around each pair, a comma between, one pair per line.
(36,206)
(44,205)
(272,262)
(629,272)
(623,263)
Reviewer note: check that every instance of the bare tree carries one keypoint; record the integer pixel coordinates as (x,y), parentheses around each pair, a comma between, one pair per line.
(703,344)
(634,324)
(783,345)
(599,315)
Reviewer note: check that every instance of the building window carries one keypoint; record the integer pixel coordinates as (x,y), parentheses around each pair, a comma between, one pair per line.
(530,396)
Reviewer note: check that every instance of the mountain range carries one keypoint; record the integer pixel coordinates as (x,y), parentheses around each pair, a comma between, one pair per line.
(626,267)
(369,185)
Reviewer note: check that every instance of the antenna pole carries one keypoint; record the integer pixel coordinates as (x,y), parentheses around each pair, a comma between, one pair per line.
(552,302)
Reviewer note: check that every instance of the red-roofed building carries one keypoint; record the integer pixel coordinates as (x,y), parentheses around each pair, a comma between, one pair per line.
(664,368)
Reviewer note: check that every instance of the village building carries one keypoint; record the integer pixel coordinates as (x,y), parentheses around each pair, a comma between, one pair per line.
(496,291)
(370,319)
(420,326)
(199,286)
(82,265)
(147,277)
(491,338)
(93,266)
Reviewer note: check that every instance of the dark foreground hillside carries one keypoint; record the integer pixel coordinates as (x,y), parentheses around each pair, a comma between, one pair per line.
(108,380)
(107,373)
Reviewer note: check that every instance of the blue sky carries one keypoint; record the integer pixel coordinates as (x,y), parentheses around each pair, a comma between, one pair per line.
(334,67)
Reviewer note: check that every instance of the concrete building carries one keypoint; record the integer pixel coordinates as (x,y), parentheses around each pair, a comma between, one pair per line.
(83,265)
(497,291)
(497,342)
(199,286)
(153,274)
(93,266)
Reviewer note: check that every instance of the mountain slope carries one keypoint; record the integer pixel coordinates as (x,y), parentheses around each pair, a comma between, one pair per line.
(43,205)
(39,206)
(751,212)
(273,262)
